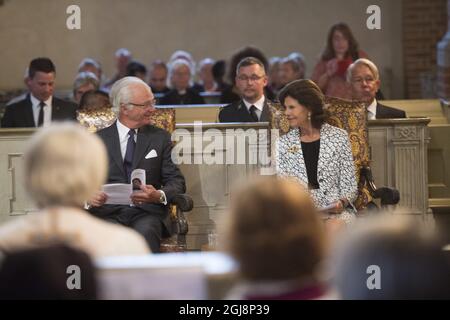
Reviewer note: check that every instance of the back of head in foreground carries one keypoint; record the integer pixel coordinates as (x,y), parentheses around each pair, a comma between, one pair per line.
(274,232)
(56,272)
(64,166)
(391,257)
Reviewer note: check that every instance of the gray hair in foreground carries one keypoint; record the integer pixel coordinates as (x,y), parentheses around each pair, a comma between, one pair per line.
(64,165)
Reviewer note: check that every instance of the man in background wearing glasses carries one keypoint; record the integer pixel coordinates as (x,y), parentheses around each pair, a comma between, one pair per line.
(251,79)
(364,80)
(133,143)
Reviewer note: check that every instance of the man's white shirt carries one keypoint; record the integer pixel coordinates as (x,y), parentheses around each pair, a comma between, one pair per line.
(47,110)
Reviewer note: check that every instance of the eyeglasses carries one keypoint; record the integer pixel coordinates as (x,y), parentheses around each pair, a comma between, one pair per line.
(149,104)
(368,80)
(252,78)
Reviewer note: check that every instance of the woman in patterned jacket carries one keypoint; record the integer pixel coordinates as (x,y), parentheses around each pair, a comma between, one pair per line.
(317,154)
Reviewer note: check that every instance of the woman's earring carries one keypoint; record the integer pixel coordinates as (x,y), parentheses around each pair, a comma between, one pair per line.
(309,116)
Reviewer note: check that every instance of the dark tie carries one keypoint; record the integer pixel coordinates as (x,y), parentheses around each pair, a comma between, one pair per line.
(41,114)
(253,113)
(128,160)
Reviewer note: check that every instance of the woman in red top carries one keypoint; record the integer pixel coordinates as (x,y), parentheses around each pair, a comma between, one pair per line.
(340,51)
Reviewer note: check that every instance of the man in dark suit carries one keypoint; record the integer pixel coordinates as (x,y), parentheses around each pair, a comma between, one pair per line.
(364,79)
(133,143)
(39,107)
(254,106)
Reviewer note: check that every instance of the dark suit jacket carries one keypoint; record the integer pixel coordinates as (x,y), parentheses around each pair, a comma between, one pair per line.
(173,97)
(385,112)
(160,171)
(20,114)
(238,112)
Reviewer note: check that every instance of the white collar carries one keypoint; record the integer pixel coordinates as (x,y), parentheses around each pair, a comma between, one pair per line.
(123,130)
(258,104)
(35,101)
(373,107)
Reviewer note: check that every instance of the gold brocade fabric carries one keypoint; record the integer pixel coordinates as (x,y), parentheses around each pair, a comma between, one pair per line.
(95,120)
(350,116)
(164,118)
(98,119)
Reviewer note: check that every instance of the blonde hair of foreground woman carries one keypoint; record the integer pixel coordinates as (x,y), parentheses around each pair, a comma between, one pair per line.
(64,166)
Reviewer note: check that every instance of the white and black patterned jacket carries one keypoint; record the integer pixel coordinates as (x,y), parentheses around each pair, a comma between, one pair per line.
(335,170)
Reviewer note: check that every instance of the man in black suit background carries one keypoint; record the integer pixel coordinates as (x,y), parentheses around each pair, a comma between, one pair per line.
(364,79)
(39,107)
(251,79)
(133,143)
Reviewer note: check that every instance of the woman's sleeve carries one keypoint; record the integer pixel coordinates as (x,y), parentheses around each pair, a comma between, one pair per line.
(318,71)
(280,165)
(347,179)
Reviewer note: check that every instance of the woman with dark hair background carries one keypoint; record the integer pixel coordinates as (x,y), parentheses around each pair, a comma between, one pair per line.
(340,52)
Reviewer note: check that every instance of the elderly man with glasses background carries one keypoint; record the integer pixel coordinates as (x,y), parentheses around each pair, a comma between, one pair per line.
(363,77)
(133,143)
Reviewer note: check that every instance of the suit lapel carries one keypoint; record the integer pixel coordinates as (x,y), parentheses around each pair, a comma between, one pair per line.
(295,147)
(143,141)
(322,151)
(265,114)
(56,109)
(244,115)
(380,112)
(113,145)
(28,116)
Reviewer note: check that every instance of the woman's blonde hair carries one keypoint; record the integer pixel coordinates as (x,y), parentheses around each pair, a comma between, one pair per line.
(274,231)
(64,165)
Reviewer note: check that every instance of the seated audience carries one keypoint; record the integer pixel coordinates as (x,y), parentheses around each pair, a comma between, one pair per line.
(94,100)
(329,174)
(232,94)
(44,274)
(275,234)
(254,106)
(133,143)
(95,112)
(158,77)
(218,71)
(64,166)
(180,78)
(274,74)
(136,69)
(340,51)
(391,257)
(90,65)
(292,68)
(364,79)
(39,107)
(21,94)
(206,77)
(123,57)
(84,82)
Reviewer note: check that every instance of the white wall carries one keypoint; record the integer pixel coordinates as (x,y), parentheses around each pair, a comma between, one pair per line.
(155,28)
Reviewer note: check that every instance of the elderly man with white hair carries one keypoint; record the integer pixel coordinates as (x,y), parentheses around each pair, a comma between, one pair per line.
(364,79)
(133,143)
